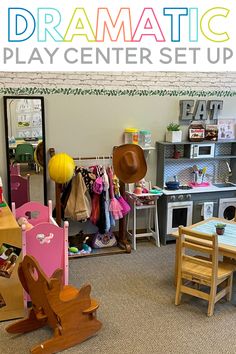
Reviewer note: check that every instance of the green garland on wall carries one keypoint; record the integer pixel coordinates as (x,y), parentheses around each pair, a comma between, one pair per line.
(113,92)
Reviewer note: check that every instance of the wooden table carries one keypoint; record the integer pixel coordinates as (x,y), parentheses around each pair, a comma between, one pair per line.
(226,242)
(11,291)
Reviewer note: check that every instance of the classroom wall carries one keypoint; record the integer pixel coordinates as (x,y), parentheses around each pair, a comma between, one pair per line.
(86,113)
(121,80)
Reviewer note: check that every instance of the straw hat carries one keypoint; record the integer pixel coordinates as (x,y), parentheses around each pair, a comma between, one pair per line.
(129,163)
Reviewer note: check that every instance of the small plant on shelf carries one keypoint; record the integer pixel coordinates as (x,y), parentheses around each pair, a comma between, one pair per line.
(173,127)
(220,228)
(173,133)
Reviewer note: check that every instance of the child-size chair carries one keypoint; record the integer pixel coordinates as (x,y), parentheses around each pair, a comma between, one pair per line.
(24,153)
(140,202)
(216,278)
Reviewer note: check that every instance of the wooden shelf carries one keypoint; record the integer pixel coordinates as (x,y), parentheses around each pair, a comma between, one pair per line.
(225,157)
(181,158)
(198,142)
(101,252)
(204,158)
(148,148)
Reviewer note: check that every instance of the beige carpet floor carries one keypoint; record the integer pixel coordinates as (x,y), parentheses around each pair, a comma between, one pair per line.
(136,294)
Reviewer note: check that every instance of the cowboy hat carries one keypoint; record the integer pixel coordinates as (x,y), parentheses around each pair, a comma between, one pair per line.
(129,163)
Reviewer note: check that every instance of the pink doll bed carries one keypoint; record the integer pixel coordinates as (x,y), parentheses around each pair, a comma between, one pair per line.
(44,240)
(15,169)
(34,212)
(48,243)
(20,189)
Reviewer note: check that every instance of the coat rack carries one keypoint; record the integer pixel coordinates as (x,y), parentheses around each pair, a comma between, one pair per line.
(122,234)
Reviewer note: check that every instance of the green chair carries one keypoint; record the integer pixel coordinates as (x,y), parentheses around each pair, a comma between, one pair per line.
(24,154)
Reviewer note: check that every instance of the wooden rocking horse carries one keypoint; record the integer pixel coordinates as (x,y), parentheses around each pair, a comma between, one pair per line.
(70,312)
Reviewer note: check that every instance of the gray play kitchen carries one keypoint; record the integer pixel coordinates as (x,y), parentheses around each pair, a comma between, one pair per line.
(198,180)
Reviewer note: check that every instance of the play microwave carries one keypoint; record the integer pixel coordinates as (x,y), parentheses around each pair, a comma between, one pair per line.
(201,151)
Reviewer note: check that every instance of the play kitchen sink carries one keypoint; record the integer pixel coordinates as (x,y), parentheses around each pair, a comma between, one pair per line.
(224,185)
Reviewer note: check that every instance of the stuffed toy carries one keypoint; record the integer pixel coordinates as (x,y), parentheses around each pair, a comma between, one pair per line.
(143,185)
(138,188)
(23,221)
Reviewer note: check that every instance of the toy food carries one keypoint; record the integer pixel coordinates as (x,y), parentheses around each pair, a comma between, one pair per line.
(73,249)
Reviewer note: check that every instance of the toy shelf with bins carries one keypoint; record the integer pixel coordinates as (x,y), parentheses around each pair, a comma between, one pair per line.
(168,166)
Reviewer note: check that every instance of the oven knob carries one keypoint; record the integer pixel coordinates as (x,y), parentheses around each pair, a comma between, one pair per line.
(180,197)
(188,196)
(172,198)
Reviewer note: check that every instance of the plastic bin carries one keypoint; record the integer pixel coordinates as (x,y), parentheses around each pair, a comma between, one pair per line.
(145,138)
(131,136)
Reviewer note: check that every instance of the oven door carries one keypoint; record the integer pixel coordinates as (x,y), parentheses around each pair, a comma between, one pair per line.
(179,213)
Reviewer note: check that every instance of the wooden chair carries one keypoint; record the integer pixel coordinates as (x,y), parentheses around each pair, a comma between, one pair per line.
(199,270)
(70,312)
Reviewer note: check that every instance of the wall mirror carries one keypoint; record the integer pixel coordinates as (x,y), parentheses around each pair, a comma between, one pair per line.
(25,149)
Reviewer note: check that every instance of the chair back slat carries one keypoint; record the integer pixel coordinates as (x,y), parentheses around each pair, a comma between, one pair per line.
(198,234)
(196,247)
(198,261)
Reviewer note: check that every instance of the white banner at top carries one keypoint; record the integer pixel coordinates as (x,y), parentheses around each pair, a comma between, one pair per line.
(102,35)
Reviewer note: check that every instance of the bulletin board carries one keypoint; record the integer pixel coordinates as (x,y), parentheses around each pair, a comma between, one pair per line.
(25,118)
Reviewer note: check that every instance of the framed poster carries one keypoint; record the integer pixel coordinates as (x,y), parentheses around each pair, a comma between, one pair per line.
(226,129)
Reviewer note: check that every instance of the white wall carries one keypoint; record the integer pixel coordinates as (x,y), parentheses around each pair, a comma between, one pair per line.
(122,80)
(85,124)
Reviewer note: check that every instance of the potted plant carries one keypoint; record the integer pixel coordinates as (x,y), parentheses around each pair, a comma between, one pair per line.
(220,228)
(173,134)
